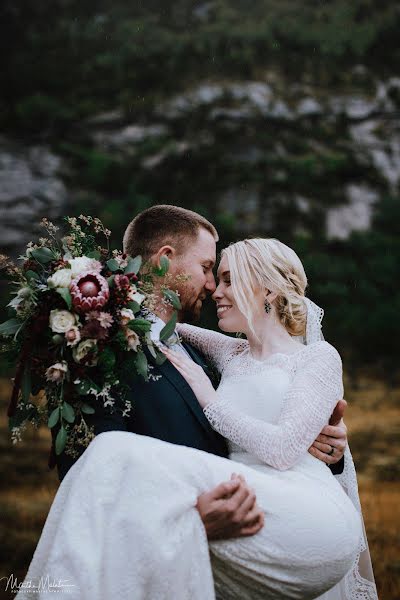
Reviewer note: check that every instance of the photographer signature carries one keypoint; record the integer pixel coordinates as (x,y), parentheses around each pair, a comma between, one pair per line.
(44,583)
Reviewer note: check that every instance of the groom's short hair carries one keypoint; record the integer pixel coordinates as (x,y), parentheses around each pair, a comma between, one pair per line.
(164,224)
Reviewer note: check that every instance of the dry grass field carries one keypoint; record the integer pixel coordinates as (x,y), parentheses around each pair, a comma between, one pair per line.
(27,487)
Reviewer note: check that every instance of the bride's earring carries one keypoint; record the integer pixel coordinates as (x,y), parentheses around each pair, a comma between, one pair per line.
(267,306)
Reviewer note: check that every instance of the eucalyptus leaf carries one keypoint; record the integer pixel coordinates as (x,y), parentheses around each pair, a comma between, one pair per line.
(61,440)
(169,328)
(173,298)
(164,263)
(139,325)
(43,255)
(65,295)
(32,275)
(141,364)
(54,418)
(150,345)
(134,306)
(161,358)
(113,265)
(163,268)
(18,330)
(94,254)
(88,410)
(83,387)
(10,327)
(133,265)
(68,412)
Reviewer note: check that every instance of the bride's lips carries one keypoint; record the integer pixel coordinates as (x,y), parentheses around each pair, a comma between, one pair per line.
(222,309)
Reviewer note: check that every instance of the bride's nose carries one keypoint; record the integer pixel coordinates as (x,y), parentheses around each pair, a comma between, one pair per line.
(217,295)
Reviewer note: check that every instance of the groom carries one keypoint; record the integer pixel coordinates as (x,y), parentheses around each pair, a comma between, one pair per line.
(165,407)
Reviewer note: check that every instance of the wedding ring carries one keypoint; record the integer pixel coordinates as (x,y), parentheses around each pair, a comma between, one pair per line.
(332,451)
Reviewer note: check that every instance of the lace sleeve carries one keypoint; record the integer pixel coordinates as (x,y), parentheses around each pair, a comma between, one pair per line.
(215,346)
(313,394)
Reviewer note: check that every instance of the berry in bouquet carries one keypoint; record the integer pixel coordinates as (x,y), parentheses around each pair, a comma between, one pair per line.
(79,330)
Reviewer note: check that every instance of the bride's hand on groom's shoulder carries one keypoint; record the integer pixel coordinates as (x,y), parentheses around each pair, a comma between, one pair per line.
(230,510)
(331,443)
(194,375)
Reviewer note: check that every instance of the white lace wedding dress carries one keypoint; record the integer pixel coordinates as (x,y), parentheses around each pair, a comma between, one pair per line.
(124,522)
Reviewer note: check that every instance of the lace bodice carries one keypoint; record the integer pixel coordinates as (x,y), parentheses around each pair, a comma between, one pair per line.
(273,409)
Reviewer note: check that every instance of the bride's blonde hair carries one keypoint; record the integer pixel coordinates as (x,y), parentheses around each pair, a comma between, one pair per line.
(268,264)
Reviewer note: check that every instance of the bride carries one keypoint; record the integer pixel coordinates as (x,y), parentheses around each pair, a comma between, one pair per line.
(134,532)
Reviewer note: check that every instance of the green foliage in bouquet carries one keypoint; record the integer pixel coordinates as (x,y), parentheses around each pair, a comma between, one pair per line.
(79,330)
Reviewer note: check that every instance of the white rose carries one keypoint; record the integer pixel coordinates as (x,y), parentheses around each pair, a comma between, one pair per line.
(61,321)
(57,372)
(132,339)
(80,351)
(126,315)
(60,279)
(83,263)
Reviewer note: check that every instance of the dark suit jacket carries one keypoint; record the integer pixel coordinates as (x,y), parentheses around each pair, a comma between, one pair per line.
(166,409)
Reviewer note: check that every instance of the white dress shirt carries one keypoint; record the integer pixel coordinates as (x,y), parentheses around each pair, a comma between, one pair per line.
(156,327)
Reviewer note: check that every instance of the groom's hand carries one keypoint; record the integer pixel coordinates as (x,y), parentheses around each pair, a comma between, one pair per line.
(230,510)
(332,441)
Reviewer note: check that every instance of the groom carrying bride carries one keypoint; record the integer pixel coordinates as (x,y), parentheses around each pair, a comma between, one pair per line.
(165,407)
(152,508)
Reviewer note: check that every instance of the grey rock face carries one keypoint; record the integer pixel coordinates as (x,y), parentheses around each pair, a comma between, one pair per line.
(366,123)
(309,107)
(353,216)
(278,150)
(126,137)
(30,189)
(378,140)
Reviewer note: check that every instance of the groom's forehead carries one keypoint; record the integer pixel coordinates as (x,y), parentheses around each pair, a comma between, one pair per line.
(203,247)
(206,257)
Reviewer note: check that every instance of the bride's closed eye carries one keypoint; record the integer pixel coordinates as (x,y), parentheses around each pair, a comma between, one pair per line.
(225,280)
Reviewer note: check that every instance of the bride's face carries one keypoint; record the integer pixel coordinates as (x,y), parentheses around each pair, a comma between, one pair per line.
(230,319)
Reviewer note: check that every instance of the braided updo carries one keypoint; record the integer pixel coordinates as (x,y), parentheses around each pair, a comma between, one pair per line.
(269,264)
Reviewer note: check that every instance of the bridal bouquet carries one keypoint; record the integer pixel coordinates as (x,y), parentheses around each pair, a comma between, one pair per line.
(78,330)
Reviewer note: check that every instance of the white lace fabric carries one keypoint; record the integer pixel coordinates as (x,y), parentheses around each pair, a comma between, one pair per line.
(315,387)
(315,372)
(315,314)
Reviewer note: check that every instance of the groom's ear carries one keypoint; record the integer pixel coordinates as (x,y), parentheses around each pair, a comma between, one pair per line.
(167,250)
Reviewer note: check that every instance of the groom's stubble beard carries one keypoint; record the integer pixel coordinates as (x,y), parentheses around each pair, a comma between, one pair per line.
(191,302)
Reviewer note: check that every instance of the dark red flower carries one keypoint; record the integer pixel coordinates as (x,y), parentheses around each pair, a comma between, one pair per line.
(89,291)
(93,329)
(31,265)
(122,282)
